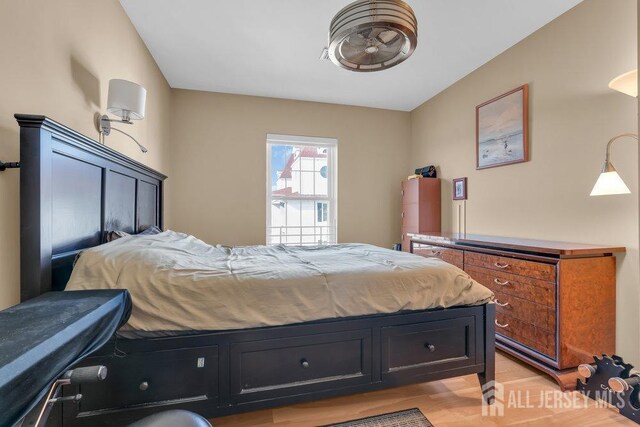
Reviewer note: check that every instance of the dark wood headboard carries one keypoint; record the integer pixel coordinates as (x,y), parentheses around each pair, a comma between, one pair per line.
(72,191)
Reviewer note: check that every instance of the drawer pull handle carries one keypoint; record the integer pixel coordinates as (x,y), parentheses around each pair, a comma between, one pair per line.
(501,304)
(498,282)
(304,363)
(143,386)
(430,347)
(499,325)
(501,266)
(436,253)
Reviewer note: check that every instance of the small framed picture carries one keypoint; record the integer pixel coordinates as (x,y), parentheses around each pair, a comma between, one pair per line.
(460,189)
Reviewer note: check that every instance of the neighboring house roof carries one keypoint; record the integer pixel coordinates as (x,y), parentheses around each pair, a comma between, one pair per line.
(308,152)
(311,152)
(286,172)
(287,191)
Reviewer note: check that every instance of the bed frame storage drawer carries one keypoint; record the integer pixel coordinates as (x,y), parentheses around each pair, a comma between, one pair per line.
(409,349)
(306,363)
(150,379)
(262,368)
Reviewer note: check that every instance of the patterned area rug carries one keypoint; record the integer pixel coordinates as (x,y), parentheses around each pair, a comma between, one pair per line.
(407,418)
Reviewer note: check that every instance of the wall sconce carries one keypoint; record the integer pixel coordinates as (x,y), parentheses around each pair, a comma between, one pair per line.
(126,100)
(626,83)
(609,182)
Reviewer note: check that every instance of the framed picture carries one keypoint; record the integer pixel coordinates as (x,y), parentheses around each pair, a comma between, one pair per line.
(460,189)
(502,129)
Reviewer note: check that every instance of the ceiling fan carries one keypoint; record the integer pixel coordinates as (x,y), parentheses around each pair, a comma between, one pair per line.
(372,35)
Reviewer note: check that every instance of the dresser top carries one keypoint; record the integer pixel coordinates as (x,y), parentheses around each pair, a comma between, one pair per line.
(560,249)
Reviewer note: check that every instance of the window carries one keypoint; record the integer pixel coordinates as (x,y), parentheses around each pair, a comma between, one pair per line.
(301,190)
(322,212)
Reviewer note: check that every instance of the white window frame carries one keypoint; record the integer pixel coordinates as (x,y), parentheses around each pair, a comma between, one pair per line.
(332,167)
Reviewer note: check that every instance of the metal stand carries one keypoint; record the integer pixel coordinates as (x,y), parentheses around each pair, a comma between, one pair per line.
(613,381)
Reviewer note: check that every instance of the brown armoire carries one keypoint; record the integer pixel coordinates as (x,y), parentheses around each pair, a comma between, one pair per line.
(420,208)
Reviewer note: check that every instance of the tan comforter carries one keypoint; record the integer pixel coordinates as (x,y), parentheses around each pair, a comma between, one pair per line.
(179,283)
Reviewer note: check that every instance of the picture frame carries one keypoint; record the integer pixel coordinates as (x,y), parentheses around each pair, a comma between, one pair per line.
(460,189)
(502,129)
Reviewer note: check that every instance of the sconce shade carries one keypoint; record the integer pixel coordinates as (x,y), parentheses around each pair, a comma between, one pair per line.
(626,83)
(126,99)
(609,182)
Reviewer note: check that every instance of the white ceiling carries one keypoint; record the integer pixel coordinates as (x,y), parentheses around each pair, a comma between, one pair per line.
(271,47)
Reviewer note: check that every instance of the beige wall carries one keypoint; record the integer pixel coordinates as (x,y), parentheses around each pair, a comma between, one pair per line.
(219,164)
(573,114)
(56,59)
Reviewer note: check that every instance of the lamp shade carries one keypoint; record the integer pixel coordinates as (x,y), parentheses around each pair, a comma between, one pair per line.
(609,183)
(126,99)
(626,83)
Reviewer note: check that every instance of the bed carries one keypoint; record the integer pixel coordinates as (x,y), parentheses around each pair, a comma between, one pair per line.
(214,362)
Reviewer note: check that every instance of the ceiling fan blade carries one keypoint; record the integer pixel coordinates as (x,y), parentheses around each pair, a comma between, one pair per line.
(386,36)
(350,51)
(361,58)
(374,32)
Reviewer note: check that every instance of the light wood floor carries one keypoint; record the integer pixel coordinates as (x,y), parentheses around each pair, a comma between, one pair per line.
(453,402)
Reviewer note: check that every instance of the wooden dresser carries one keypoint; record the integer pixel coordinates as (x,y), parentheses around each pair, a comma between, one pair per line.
(556,302)
(420,208)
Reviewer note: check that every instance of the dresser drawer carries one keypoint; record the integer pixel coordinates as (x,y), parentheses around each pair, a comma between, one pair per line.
(537,291)
(527,311)
(150,378)
(452,256)
(521,267)
(531,336)
(442,344)
(308,363)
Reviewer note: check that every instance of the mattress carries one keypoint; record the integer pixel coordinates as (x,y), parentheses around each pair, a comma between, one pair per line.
(179,283)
